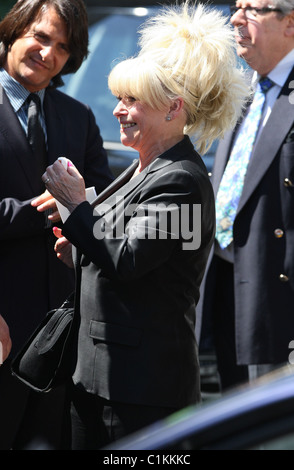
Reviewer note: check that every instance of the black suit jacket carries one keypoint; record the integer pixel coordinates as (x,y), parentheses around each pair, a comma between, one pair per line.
(138,293)
(263,242)
(32,279)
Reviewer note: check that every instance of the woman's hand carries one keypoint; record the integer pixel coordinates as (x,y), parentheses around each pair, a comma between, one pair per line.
(63,248)
(65,185)
(5,340)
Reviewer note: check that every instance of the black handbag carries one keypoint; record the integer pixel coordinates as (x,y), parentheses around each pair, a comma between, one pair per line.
(45,361)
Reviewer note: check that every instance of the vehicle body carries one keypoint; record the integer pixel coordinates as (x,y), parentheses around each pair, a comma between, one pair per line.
(258,416)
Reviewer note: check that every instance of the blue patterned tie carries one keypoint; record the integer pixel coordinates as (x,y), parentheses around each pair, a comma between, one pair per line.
(231,186)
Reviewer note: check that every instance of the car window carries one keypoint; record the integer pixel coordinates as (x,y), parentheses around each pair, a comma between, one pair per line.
(111,39)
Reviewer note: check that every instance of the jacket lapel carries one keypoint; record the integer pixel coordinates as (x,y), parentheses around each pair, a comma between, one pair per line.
(116,193)
(119,182)
(124,184)
(55,128)
(12,131)
(279,124)
(221,158)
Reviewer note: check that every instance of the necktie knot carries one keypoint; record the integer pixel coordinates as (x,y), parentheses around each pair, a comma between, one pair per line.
(34,104)
(35,98)
(265,84)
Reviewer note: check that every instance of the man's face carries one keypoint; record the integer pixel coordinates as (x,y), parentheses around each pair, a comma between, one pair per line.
(40,53)
(262,40)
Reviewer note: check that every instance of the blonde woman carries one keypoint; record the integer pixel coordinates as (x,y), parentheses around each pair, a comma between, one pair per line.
(144,250)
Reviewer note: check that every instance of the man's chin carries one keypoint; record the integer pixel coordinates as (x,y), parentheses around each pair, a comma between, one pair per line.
(31,76)
(32,84)
(244,51)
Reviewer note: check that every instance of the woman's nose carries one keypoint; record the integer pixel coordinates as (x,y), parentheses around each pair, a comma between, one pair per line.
(119,109)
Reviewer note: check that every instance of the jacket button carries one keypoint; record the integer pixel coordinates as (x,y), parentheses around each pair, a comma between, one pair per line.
(288,183)
(278,233)
(283,278)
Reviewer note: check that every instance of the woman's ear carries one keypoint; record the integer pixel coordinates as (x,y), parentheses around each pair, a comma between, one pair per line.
(176,107)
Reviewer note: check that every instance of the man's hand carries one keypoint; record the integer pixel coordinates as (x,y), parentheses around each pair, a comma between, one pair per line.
(5,340)
(45,202)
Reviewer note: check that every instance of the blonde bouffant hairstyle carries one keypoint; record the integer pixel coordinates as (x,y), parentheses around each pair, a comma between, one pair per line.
(187,51)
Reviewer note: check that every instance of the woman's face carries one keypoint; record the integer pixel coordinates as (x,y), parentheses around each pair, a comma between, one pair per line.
(141,127)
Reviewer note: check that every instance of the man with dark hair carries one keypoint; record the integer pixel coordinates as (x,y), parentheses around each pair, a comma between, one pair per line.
(40,40)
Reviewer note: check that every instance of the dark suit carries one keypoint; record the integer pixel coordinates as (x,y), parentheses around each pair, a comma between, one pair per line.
(263,272)
(138,295)
(32,279)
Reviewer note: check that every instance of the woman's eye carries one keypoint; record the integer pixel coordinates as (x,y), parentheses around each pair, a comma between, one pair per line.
(126,99)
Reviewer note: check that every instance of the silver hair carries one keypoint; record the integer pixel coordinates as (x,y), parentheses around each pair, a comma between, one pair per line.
(285,5)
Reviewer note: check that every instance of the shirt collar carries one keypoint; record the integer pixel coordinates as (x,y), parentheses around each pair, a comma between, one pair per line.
(16,93)
(280,73)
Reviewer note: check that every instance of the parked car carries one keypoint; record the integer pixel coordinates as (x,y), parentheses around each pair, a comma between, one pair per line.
(113,36)
(258,416)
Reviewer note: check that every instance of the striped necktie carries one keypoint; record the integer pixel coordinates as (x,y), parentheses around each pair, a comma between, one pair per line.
(231,185)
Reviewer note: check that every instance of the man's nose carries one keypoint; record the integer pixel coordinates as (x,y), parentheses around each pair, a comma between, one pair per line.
(239,17)
(46,52)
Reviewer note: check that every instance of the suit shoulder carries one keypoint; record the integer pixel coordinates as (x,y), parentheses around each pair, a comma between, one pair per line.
(192,167)
(62,99)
